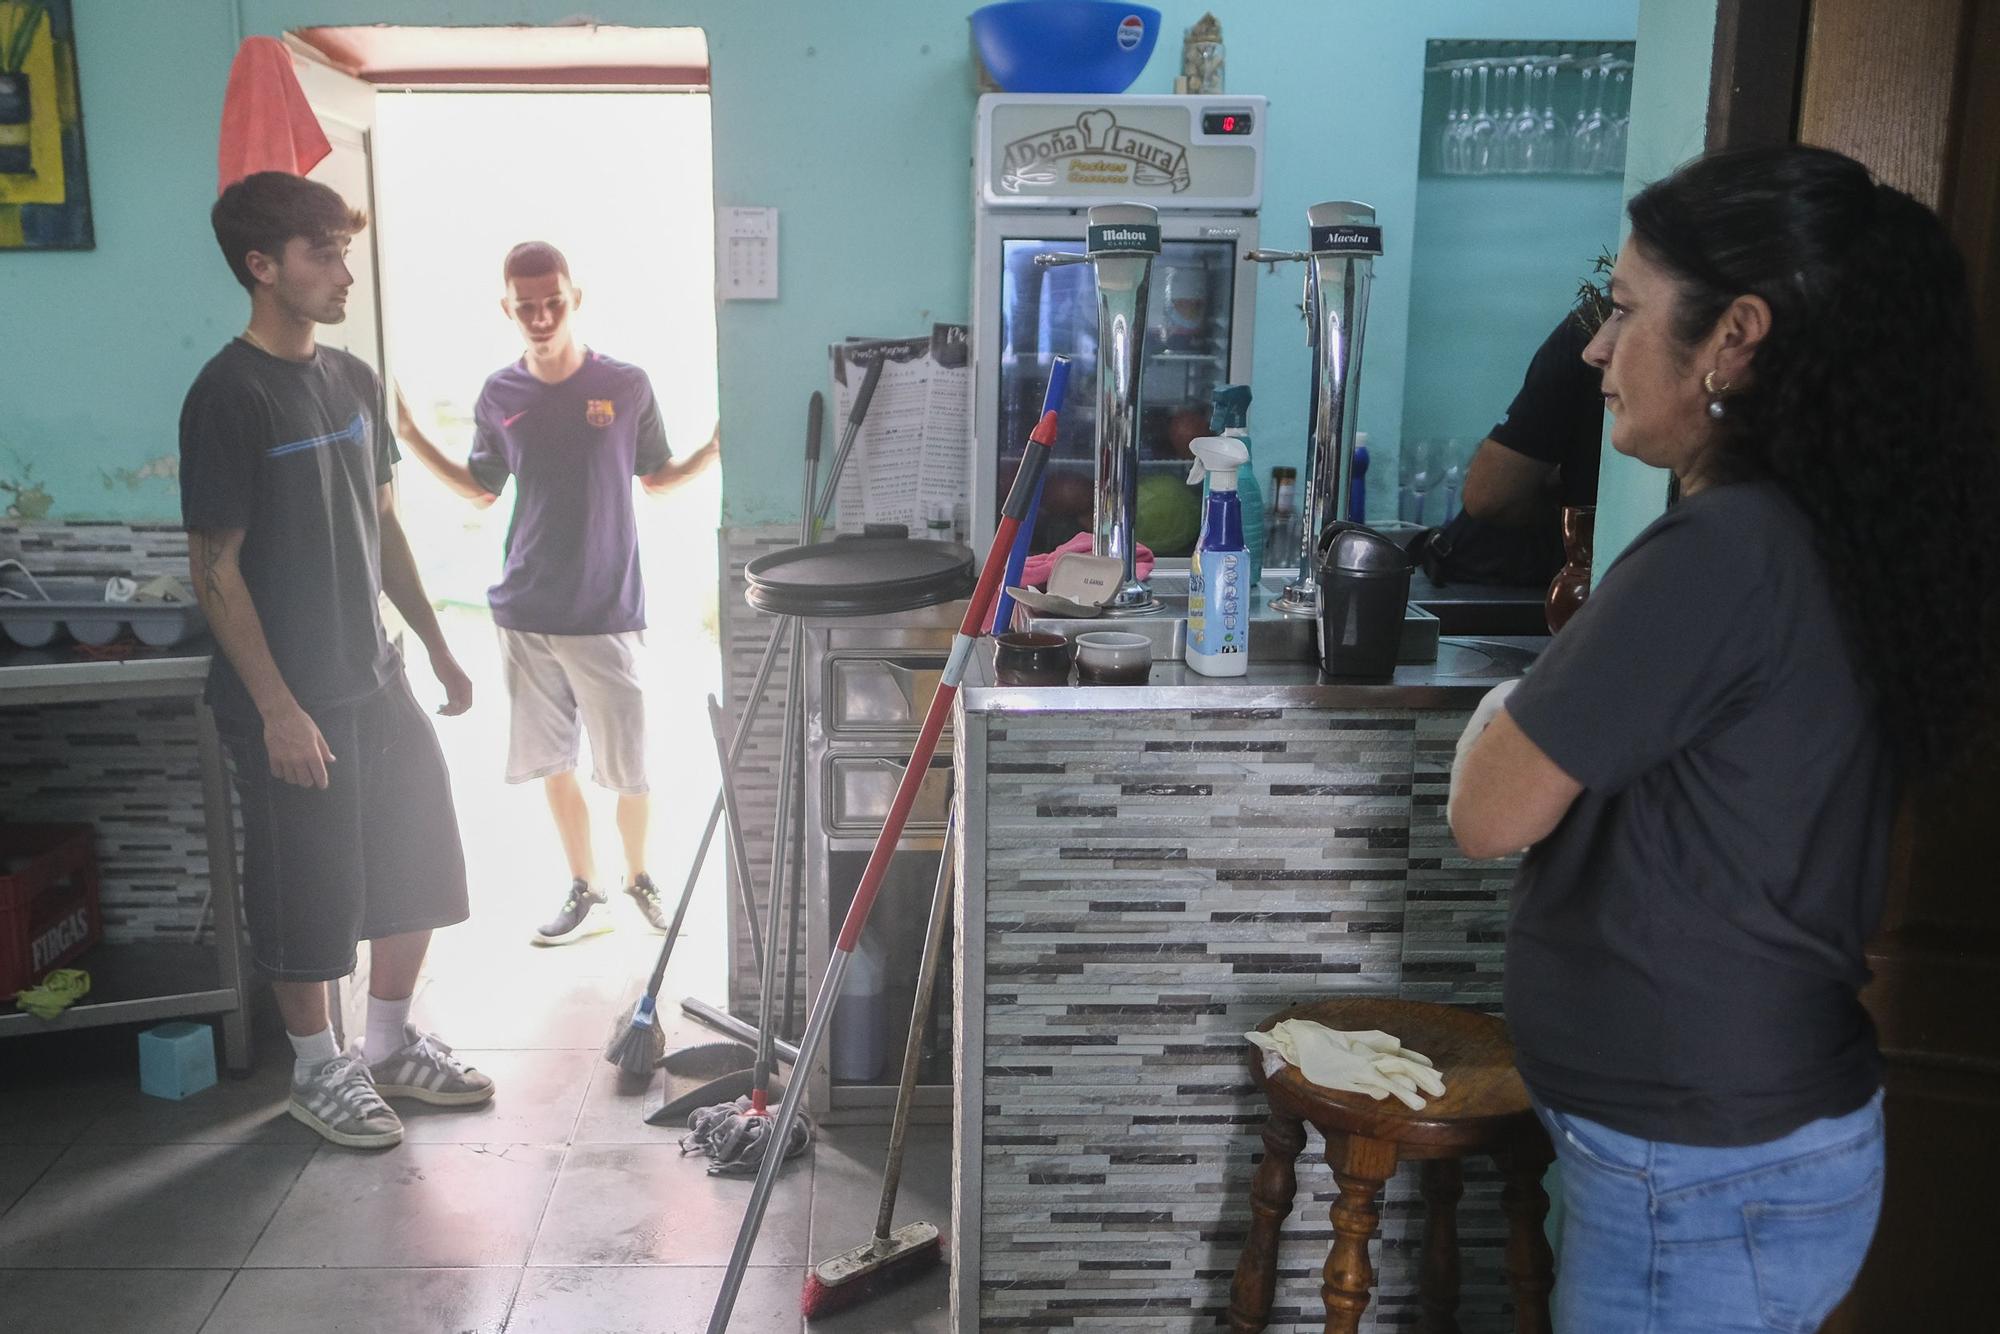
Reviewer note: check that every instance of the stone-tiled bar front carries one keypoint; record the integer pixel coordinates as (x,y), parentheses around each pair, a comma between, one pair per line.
(1146,873)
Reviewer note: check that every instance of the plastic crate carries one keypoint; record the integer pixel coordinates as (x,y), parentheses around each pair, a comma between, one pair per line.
(48,900)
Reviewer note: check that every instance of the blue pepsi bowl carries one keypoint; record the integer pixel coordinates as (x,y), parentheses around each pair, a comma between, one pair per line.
(1065,46)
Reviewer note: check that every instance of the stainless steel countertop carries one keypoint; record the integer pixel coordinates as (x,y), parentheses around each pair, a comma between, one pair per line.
(1465,670)
(35,675)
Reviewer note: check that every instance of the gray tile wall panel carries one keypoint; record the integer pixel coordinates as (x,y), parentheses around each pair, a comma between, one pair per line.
(1155,885)
(132,768)
(80,547)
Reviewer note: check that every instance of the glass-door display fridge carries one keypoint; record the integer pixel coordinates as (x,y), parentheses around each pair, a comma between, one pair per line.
(1040,162)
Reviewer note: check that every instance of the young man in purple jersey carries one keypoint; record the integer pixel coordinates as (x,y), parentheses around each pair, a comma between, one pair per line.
(572,427)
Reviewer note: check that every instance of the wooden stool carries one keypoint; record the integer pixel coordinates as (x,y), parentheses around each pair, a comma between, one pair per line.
(1484,1110)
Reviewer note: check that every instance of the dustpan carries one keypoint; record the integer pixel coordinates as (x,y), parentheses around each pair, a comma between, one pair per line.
(703,1076)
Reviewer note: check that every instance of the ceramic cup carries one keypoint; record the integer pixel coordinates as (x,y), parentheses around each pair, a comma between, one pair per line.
(1031,658)
(1113,658)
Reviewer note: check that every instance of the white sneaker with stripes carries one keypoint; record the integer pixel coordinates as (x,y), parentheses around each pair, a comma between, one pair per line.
(424,1068)
(340,1101)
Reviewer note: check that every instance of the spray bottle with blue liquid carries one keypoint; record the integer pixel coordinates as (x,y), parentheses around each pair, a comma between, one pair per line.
(1230,415)
(1218,625)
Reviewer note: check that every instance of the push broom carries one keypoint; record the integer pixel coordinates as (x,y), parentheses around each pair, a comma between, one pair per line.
(892,1257)
(1034,460)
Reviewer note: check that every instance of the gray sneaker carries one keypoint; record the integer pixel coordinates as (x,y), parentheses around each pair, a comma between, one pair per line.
(424,1068)
(642,891)
(580,916)
(340,1101)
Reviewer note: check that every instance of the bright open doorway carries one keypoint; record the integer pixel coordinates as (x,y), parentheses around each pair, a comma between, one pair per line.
(619,182)
(618,178)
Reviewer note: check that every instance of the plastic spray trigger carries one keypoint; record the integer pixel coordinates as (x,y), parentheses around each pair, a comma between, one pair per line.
(1218,454)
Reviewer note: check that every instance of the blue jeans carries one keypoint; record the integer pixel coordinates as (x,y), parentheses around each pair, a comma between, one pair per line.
(1664,1238)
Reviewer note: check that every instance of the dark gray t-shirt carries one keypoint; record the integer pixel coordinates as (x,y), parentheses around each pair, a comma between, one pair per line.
(1684,952)
(292,453)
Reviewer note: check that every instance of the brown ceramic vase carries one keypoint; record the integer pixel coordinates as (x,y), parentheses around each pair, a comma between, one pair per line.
(1572,583)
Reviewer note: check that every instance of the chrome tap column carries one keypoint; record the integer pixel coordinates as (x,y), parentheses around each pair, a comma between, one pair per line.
(1121,243)
(1339,270)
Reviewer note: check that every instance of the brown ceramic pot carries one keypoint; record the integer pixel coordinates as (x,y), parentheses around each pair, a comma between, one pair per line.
(1572,583)
(1031,658)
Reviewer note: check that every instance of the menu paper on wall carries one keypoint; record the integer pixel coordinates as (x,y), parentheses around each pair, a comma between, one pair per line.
(911,454)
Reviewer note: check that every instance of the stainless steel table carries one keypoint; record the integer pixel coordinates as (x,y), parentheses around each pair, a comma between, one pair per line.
(138,982)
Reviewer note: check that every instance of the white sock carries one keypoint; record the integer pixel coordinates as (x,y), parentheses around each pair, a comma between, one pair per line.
(385,1027)
(310,1053)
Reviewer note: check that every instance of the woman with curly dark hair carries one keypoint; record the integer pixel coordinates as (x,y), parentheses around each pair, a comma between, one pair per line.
(1704,765)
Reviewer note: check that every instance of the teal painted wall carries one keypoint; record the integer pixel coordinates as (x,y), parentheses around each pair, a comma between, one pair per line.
(1669,122)
(853,119)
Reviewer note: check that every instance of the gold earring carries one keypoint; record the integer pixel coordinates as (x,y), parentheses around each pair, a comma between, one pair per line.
(1716,407)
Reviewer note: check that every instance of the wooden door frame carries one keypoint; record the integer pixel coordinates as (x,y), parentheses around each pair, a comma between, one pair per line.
(1753,85)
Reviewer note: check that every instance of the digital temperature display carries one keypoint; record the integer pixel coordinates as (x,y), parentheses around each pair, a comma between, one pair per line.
(1225,122)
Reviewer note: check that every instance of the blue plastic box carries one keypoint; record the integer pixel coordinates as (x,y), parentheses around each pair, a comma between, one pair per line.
(176,1060)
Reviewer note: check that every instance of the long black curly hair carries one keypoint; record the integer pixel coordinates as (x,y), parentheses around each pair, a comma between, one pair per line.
(1865,402)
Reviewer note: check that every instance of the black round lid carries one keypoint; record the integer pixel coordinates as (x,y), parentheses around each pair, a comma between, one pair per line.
(858,576)
(1359,549)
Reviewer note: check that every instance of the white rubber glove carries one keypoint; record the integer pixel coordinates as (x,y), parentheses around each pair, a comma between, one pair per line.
(1482,718)
(1369,1061)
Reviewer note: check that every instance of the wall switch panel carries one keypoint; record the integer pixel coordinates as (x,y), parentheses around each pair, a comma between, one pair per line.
(747,269)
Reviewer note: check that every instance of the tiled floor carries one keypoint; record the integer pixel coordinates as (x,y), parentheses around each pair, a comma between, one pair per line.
(556,1209)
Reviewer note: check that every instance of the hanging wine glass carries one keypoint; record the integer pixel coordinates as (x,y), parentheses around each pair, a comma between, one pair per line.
(1553,139)
(1583,140)
(1620,120)
(1480,136)
(1528,151)
(1448,136)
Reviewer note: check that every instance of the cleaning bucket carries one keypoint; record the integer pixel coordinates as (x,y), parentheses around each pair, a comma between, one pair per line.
(859,1044)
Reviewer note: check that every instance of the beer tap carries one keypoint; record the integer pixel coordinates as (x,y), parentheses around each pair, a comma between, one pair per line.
(1339,270)
(1121,241)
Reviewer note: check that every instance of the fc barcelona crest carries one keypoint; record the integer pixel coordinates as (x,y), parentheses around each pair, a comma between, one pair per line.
(599,412)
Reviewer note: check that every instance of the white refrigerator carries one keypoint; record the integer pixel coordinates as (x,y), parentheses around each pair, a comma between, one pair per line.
(1041,160)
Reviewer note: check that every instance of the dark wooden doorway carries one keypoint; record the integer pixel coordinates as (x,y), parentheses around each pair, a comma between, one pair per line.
(1911,88)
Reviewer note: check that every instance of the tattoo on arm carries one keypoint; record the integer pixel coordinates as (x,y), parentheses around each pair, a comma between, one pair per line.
(208,550)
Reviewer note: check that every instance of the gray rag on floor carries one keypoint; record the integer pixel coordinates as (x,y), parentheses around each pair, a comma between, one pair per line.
(735,1140)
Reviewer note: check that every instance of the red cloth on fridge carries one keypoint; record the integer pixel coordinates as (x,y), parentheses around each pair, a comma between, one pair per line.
(1035,570)
(267,124)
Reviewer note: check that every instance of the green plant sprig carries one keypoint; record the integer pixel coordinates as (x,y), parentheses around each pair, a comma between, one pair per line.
(20,37)
(1593,295)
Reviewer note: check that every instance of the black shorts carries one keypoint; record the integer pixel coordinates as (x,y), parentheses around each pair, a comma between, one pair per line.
(376,853)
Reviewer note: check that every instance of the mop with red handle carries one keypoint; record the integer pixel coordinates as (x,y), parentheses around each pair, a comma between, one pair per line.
(1040,442)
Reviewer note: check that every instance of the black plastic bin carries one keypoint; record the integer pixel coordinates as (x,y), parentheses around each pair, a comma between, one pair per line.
(1364,585)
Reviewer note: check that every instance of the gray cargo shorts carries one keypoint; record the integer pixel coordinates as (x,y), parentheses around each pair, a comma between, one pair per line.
(555,683)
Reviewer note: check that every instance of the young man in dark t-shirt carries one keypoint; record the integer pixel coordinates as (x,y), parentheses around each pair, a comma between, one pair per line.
(348,828)
(572,427)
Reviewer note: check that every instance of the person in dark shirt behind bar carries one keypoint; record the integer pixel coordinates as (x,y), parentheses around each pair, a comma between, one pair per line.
(349,832)
(1704,764)
(572,427)
(1540,458)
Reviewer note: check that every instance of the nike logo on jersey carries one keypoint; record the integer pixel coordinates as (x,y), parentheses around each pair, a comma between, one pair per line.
(509,421)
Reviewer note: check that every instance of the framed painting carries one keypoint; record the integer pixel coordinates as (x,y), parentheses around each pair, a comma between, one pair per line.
(44,193)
